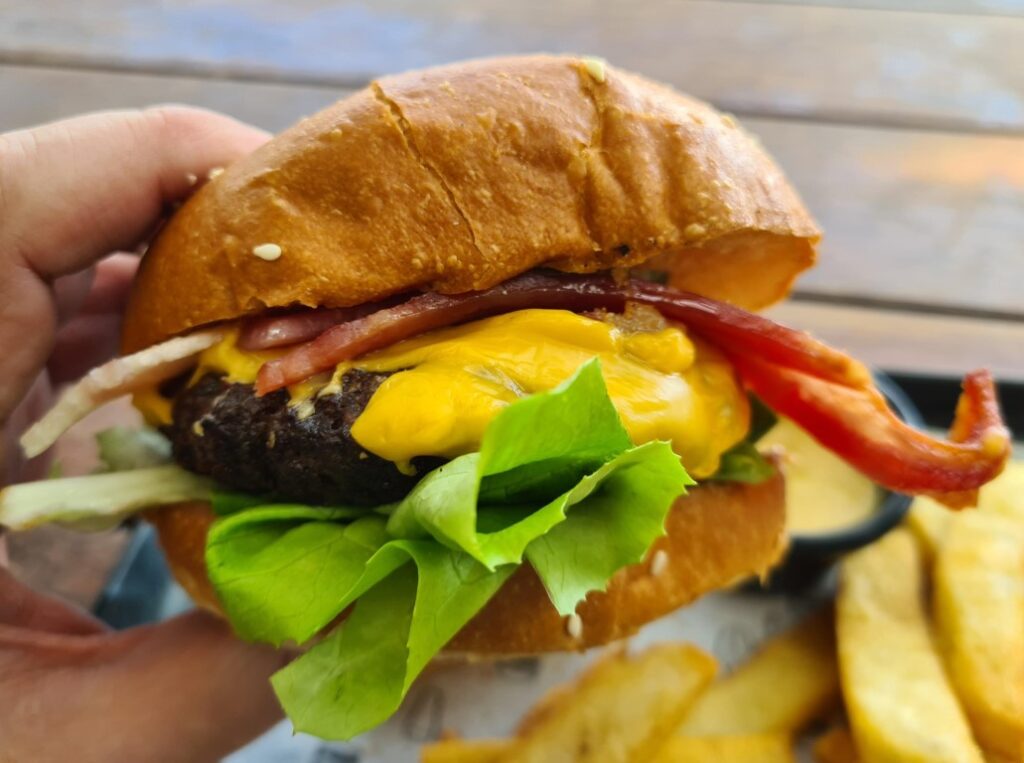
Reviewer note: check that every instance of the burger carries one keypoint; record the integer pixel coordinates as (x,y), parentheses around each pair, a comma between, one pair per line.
(466,363)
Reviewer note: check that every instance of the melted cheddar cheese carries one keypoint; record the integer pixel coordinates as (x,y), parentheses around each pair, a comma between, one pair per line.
(447,385)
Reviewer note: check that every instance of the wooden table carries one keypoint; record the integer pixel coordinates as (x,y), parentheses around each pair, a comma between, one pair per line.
(900,122)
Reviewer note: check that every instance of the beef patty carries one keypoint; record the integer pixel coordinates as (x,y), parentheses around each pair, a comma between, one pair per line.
(260,445)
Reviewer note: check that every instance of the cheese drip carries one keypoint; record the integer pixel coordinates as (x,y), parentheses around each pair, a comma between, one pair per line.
(447,385)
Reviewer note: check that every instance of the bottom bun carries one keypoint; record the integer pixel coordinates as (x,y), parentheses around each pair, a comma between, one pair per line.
(718,534)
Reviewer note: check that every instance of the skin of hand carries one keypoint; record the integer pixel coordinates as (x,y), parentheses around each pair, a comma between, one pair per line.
(71,193)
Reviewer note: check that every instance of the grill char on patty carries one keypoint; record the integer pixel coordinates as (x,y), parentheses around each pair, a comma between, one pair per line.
(260,445)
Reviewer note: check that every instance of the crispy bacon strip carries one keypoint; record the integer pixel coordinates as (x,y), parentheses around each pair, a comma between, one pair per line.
(857,425)
(265,332)
(425,313)
(727,325)
(268,331)
(823,390)
(730,327)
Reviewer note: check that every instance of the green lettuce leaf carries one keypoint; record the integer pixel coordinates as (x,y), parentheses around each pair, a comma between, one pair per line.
(540,447)
(121,448)
(556,481)
(356,678)
(743,463)
(762,418)
(344,684)
(227,502)
(280,571)
(615,529)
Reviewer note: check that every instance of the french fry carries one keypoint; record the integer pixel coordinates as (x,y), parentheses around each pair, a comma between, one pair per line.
(465,751)
(621,710)
(978,602)
(900,702)
(791,681)
(836,746)
(1003,496)
(755,748)
(928,520)
(994,757)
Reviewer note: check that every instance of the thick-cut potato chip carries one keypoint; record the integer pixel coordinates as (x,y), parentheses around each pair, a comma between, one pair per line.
(900,702)
(836,746)
(754,748)
(619,711)
(465,751)
(791,681)
(978,601)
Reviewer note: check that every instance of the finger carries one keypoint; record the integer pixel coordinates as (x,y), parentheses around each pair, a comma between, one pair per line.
(186,690)
(22,607)
(83,344)
(110,289)
(93,335)
(71,192)
(80,188)
(70,292)
(100,289)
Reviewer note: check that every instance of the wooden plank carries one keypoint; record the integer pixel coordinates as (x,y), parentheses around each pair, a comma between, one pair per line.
(968,7)
(911,217)
(31,96)
(897,67)
(909,342)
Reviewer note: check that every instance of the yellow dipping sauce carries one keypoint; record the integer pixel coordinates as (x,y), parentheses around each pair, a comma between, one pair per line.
(823,492)
(447,385)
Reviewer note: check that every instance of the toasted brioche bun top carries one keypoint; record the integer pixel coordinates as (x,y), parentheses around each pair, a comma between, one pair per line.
(716,535)
(460,177)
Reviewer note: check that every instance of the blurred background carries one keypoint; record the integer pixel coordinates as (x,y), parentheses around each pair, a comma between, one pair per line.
(901,122)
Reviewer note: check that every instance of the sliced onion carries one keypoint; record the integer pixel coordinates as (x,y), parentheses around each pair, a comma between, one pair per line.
(118,377)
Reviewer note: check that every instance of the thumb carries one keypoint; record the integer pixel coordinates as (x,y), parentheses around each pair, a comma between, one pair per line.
(185,690)
(22,607)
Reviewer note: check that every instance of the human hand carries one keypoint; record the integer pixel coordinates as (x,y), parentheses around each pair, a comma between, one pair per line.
(71,193)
